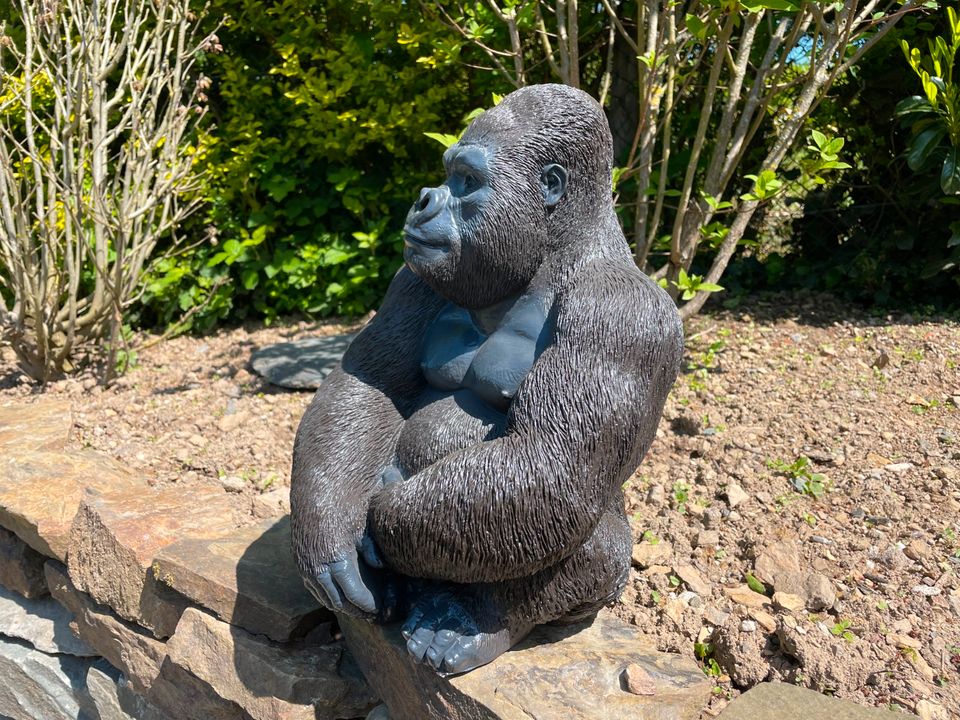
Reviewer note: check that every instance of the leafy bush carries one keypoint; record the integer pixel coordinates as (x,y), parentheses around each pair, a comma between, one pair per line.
(317,153)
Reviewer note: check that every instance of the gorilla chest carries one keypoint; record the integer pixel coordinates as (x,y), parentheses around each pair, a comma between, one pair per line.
(458,355)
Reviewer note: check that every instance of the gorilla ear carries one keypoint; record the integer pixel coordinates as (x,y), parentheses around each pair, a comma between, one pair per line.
(553,183)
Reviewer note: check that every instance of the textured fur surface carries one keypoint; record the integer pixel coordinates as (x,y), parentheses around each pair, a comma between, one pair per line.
(479,429)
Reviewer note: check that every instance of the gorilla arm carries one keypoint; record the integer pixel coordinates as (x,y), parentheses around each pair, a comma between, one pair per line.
(347,435)
(579,424)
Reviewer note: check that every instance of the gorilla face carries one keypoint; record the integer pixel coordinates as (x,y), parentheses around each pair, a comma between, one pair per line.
(480,237)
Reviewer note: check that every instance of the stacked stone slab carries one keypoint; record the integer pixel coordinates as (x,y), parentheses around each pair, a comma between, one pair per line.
(121,600)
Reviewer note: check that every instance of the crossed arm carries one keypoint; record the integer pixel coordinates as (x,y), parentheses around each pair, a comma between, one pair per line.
(580,423)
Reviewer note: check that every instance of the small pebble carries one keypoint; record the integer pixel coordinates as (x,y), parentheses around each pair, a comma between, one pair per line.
(928,590)
(748,626)
(232,483)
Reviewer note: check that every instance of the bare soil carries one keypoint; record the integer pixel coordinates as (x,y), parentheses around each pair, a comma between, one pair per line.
(861,543)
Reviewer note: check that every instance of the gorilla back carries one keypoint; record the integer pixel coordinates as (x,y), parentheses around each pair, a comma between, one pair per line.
(461,469)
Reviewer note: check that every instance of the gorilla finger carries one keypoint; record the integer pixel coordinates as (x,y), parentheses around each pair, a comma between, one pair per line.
(418,644)
(330,590)
(458,658)
(434,656)
(416,615)
(369,552)
(348,578)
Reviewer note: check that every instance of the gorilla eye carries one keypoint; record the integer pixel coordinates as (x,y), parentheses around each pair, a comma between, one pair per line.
(470,183)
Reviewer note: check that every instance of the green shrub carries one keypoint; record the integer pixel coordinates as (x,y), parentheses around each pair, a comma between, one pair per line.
(317,153)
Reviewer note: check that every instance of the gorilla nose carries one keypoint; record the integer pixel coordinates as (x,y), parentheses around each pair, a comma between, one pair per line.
(430,202)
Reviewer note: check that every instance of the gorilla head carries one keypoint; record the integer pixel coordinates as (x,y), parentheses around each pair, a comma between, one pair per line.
(524,178)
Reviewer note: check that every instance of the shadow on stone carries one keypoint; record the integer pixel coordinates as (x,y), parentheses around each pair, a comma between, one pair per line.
(302,364)
(309,676)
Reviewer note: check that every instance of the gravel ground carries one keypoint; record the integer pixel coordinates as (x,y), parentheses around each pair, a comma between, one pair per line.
(809,450)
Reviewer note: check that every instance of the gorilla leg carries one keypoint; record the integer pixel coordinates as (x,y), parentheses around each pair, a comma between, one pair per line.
(456,628)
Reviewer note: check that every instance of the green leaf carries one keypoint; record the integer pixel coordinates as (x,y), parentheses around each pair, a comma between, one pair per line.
(250,278)
(708,287)
(819,138)
(755,584)
(443,138)
(922,145)
(950,173)
(913,104)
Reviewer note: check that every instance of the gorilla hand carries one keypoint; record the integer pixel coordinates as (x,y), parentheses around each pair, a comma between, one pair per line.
(351,584)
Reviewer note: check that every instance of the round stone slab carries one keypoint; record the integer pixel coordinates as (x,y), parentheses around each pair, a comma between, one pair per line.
(302,364)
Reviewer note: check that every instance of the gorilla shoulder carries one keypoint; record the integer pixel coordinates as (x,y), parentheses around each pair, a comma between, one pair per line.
(615,307)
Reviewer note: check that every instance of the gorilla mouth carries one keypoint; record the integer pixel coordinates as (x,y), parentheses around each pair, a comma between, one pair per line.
(410,238)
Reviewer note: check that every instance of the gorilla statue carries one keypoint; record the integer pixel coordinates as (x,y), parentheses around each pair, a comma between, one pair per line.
(461,469)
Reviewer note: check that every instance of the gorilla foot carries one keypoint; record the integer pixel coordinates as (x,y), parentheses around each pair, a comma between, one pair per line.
(445,633)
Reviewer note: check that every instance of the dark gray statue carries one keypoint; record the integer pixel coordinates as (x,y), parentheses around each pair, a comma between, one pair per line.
(461,470)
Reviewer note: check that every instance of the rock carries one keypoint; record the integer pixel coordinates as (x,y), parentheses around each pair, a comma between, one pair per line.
(639,681)
(26,427)
(899,468)
(708,539)
(767,621)
(230,422)
(776,701)
(40,493)
(248,578)
(34,685)
(918,551)
(125,646)
(117,534)
(656,495)
(778,565)
(268,681)
(646,554)
(819,592)
(271,505)
(302,364)
(715,616)
(927,590)
(233,484)
(573,671)
(43,623)
(788,601)
(112,696)
(21,567)
(904,641)
(928,710)
(743,595)
(735,495)
(740,654)
(825,659)
(380,712)
(748,626)
(178,695)
(693,579)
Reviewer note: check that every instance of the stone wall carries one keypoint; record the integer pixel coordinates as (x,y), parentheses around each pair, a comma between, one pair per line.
(120,600)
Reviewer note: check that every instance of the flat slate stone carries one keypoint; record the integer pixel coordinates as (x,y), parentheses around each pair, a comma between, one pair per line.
(112,696)
(43,425)
(117,534)
(40,493)
(248,578)
(44,623)
(558,672)
(178,695)
(124,645)
(21,567)
(35,685)
(302,364)
(782,701)
(269,681)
